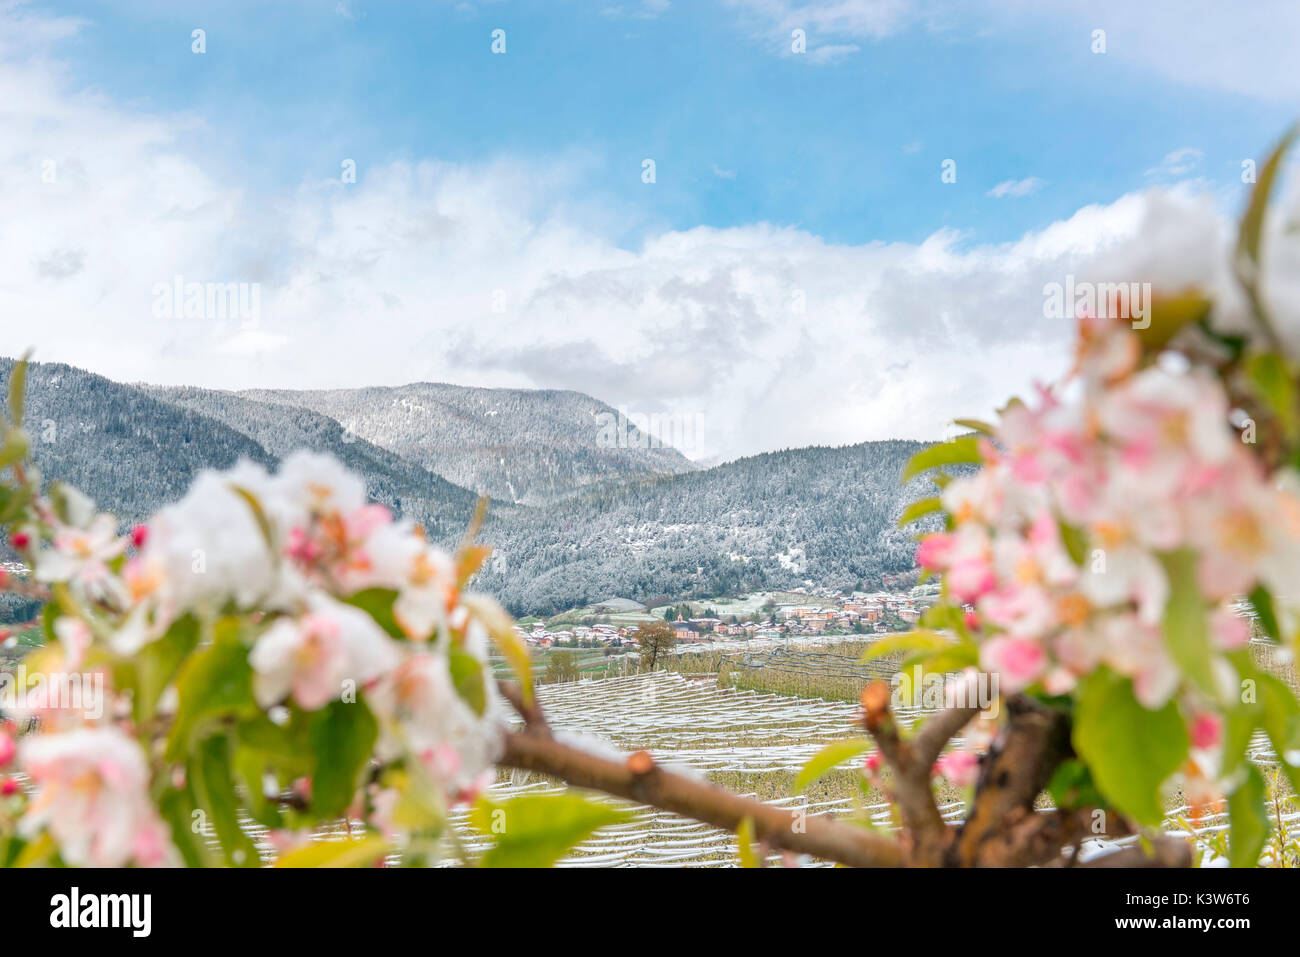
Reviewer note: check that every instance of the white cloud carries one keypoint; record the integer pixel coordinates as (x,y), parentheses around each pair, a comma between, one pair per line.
(1249,49)
(721,173)
(479,275)
(1178,163)
(862,19)
(1015,188)
(832,52)
(831,28)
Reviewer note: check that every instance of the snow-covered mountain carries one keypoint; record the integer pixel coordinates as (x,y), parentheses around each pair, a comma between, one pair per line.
(603,520)
(517,445)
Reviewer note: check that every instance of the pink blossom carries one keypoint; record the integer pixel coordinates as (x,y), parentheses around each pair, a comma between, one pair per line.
(1229,630)
(1207,730)
(311,657)
(1018,662)
(935,551)
(92,795)
(970,578)
(1027,612)
(961,768)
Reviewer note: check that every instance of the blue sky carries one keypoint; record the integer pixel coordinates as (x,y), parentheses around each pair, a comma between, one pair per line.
(740,129)
(797,274)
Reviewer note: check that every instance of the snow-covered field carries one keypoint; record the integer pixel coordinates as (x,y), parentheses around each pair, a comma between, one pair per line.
(692,725)
(689,724)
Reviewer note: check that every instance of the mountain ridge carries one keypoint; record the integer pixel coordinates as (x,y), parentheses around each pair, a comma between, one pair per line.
(820,514)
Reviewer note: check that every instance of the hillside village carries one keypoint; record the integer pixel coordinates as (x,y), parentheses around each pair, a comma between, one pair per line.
(823,611)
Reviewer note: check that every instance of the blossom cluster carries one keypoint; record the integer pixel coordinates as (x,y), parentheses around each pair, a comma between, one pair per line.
(1099,501)
(288,557)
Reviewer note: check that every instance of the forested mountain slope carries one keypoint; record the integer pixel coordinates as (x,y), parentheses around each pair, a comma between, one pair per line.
(517,445)
(825,515)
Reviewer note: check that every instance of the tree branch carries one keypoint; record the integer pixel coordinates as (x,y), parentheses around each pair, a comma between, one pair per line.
(1017,767)
(1003,828)
(928,836)
(639,779)
(1165,851)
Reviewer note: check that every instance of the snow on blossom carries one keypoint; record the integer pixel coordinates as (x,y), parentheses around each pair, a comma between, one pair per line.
(427,594)
(209,549)
(311,656)
(311,483)
(92,795)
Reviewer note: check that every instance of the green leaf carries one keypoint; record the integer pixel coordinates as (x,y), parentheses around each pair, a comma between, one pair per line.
(963,450)
(154,666)
(1275,384)
(1238,726)
(500,626)
(745,840)
(1169,315)
(1075,542)
(975,425)
(177,807)
(1250,233)
(1072,787)
(342,739)
(536,830)
(259,516)
(468,677)
(287,747)
(214,787)
(1280,718)
(920,641)
(250,766)
(14,448)
(214,682)
(17,391)
(956,657)
(1186,626)
(1248,817)
(944,616)
(1262,601)
(1129,750)
(378,604)
(919,509)
(828,758)
(361,852)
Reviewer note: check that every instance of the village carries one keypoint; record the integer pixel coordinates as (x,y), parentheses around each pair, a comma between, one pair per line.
(800,613)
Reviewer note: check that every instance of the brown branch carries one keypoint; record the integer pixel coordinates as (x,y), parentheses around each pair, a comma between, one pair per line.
(1164,851)
(938,731)
(1018,766)
(530,711)
(928,836)
(1002,830)
(639,779)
